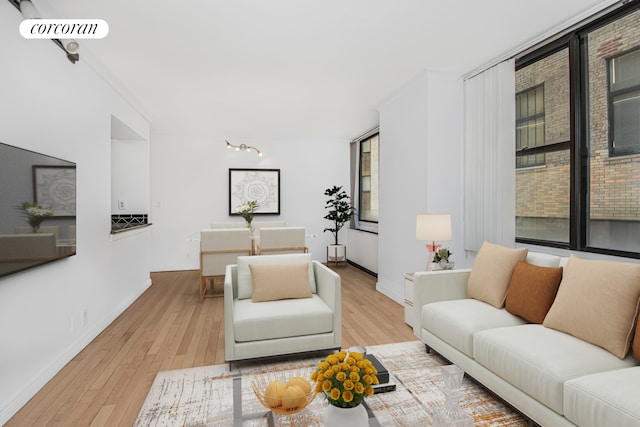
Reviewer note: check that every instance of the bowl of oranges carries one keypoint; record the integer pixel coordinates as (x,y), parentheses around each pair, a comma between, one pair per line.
(283,395)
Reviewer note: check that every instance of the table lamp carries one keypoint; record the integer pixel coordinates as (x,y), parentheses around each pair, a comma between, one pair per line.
(432,227)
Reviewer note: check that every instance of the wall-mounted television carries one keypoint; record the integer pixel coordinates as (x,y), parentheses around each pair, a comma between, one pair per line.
(37,209)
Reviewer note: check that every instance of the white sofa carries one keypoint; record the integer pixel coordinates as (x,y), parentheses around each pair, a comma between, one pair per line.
(552,377)
(282,325)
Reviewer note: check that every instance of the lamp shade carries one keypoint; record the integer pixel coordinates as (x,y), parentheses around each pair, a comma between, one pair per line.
(432,227)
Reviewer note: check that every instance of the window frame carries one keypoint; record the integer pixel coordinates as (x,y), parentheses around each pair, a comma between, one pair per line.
(610,96)
(576,42)
(368,138)
(531,151)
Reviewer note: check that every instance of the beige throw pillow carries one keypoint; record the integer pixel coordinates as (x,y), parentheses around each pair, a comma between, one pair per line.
(491,273)
(636,340)
(280,281)
(597,301)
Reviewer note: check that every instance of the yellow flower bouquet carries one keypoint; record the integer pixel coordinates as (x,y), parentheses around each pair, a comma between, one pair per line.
(345,378)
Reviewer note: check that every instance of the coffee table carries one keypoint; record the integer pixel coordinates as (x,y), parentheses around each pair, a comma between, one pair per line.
(248,411)
(217,395)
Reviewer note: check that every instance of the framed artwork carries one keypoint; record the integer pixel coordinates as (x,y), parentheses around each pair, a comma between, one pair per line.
(262,185)
(55,186)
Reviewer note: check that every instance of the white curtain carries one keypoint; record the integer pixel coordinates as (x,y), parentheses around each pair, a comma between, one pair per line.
(489,147)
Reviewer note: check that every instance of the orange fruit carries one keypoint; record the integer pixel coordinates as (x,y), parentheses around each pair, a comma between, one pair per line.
(273,394)
(293,397)
(300,382)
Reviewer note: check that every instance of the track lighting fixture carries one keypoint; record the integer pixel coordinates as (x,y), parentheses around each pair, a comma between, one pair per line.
(243,147)
(70,45)
(29,11)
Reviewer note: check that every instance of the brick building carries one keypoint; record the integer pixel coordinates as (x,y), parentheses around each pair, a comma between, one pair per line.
(543,113)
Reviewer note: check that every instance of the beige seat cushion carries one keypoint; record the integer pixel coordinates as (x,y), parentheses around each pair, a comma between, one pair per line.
(280,281)
(491,273)
(598,302)
(281,319)
(607,398)
(539,360)
(456,321)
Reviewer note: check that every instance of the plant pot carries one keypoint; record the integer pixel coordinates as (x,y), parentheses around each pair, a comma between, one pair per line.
(336,253)
(346,417)
(446,265)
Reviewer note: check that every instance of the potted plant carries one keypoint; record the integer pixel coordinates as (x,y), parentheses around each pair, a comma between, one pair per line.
(340,211)
(346,379)
(442,259)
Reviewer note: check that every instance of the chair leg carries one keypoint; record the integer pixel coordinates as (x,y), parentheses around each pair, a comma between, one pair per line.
(203,288)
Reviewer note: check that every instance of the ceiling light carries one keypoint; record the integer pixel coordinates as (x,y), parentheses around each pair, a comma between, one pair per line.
(70,45)
(243,147)
(29,11)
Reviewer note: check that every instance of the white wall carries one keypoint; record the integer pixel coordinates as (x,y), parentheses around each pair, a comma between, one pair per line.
(190,189)
(363,249)
(51,106)
(129,176)
(420,172)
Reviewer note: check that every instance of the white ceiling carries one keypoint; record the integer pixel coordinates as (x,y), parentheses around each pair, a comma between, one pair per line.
(294,68)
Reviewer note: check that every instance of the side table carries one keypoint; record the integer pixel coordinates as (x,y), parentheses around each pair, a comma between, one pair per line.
(408,299)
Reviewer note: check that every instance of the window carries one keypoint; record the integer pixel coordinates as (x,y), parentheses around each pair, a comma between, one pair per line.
(624,104)
(584,193)
(542,140)
(368,197)
(529,126)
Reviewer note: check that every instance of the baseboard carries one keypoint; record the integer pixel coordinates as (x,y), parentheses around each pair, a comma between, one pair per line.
(359,267)
(173,267)
(72,351)
(388,290)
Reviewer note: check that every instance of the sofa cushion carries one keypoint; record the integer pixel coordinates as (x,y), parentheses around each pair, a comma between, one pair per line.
(597,301)
(539,360)
(281,319)
(491,273)
(245,287)
(456,321)
(532,290)
(604,399)
(636,340)
(280,281)
(543,260)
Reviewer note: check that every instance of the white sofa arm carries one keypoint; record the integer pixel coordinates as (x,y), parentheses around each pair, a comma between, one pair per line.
(230,292)
(328,284)
(432,286)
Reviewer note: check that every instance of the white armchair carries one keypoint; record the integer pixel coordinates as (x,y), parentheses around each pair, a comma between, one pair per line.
(219,248)
(281,326)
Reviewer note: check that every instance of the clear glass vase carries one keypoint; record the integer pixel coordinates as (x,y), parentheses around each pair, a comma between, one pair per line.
(452,415)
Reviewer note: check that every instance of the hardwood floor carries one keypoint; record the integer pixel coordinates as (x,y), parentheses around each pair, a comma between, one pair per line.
(168,328)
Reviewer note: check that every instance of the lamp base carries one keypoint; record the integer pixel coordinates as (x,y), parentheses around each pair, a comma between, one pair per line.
(431,251)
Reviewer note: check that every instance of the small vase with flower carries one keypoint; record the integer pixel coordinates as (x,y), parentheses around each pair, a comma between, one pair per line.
(441,257)
(246,210)
(35,214)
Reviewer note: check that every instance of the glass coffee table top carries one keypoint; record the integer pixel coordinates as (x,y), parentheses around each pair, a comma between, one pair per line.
(399,407)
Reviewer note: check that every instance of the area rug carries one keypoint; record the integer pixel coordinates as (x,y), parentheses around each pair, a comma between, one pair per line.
(203,396)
